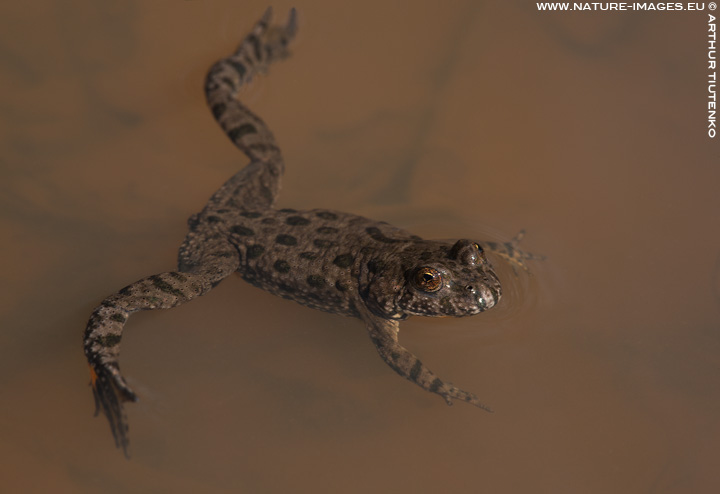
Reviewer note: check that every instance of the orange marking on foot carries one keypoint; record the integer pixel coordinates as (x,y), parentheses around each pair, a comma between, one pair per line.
(93,377)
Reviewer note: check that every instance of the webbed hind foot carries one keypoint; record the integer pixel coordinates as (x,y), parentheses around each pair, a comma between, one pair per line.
(111,391)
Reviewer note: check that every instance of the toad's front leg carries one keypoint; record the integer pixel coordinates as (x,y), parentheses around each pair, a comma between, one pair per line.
(511,252)
(384,334)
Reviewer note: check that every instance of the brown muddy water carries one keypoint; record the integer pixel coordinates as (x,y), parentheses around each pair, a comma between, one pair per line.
(468,119)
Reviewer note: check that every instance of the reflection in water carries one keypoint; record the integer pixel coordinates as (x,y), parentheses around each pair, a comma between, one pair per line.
(421,121)
(58,105)
(593,36)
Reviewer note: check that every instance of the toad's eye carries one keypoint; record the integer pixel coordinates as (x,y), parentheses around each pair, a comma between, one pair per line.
(477,246)
(428,279)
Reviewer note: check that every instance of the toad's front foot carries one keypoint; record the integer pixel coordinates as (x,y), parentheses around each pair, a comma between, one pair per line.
(512,253)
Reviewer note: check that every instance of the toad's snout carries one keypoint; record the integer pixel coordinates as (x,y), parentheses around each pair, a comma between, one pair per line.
(487,296)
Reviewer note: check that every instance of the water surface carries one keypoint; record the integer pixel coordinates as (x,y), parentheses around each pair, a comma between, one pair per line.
(466,120)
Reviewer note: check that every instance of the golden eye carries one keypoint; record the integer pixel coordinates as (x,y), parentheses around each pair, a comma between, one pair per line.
(477,246)
(428,279)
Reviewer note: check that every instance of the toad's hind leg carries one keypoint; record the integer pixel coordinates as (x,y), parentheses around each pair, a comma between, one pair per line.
(197,275)
(257,185)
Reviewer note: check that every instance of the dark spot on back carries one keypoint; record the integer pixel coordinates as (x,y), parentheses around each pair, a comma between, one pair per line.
(254,251)
(286,288)
(340,286)
(242,230)
(297,221)
(327,230)
(323,244)
(250,214)
(287,210)
(376,234)
(316,281)
(213,219)
(283,239)
(309,255)
(281,266)
(268,221)
(326,215)
(344,260)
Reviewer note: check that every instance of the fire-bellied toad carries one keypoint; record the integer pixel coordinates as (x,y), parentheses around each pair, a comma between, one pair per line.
(327,260)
